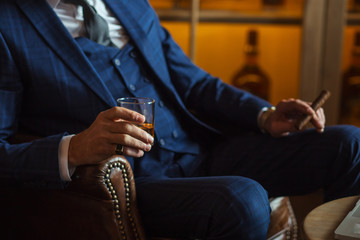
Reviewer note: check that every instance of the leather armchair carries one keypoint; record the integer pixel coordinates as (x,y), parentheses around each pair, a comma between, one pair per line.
(99,203)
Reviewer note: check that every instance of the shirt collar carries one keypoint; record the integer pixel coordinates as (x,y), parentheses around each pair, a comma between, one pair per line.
(53,3)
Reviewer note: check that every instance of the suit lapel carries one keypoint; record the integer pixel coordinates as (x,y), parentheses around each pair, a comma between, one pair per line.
(59,39)
(131,15)
(129,12)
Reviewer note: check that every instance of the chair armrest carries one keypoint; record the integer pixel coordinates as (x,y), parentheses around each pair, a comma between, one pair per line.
(113,181)
(99,203)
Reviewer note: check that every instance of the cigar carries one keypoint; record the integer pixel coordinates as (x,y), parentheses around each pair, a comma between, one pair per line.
(316,104)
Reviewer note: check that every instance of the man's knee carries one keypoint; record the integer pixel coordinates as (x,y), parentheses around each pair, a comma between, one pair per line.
(346,166)
(348,139)
(344,134)
(242,209)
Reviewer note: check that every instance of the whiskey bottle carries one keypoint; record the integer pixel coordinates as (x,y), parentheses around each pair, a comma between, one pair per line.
(350,94)
(251,77)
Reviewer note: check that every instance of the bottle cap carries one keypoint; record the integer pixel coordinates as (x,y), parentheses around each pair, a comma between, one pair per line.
(252,37)
(251,46)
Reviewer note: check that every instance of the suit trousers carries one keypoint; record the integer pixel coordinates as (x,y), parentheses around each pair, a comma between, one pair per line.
(231,200)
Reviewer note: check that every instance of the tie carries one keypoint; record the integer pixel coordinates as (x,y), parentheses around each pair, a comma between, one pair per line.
(96,27)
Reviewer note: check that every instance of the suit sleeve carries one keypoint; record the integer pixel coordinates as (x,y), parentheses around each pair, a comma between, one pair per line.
(33,164)
(209,97)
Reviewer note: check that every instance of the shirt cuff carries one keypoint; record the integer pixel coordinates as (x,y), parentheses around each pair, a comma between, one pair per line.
(65,172)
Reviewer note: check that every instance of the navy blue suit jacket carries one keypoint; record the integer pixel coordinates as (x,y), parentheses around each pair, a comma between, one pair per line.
(49,88)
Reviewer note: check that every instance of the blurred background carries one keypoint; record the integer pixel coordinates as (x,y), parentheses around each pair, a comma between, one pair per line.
(275,48)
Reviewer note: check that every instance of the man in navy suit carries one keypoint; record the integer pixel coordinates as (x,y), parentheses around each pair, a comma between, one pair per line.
(196,179)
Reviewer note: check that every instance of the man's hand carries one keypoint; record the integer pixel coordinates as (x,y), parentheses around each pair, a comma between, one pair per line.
(287,114)
(111,127)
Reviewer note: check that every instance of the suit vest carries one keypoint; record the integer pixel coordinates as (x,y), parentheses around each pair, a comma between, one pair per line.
(175,153)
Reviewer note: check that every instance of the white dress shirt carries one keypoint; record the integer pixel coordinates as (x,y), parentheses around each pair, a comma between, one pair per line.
(72,18)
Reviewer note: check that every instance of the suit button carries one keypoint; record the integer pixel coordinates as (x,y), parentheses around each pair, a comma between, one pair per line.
(132,87)
(133,54)
(117,62)
(174,134)
(162,142)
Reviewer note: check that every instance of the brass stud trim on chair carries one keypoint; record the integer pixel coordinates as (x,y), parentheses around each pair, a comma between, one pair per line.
(115,198)
(292,232)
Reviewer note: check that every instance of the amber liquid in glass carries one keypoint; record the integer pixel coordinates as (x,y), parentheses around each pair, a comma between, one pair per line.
(147,127)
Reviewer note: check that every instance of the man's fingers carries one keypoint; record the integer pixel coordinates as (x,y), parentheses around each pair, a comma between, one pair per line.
(294,108)
(131,130)
(319,120)
(129,141)
(128,151)
(122,114)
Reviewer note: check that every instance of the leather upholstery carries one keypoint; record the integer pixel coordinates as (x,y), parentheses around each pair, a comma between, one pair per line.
(99,203)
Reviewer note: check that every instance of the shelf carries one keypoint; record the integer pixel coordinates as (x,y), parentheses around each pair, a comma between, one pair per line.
(228,16)
(353,19)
